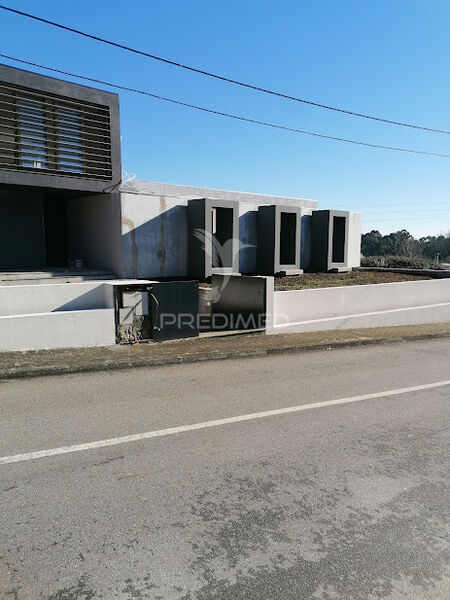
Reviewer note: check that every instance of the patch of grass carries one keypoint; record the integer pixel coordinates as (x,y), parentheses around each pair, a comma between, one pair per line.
(321,280)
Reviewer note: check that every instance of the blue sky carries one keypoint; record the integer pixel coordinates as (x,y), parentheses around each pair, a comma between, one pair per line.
(386,58)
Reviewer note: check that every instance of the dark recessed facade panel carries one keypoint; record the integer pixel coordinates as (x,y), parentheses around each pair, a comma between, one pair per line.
(174,310)
(213,237)
(239,302)
(56,134)
(329,240)
(279,237)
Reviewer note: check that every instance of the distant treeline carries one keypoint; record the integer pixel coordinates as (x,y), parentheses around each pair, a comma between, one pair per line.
(402,243)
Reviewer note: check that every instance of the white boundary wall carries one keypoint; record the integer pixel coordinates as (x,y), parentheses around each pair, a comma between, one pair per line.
(59,315)
(378,305)
(67,329)
(54,297)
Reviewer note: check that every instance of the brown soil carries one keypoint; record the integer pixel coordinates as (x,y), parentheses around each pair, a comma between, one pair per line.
(321,280)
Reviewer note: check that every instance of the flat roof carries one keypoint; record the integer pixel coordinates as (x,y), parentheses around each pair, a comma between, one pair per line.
(49,83)
(155,188)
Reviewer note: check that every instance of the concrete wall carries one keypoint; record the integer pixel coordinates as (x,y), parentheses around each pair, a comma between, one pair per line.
(248,237)
(377,305)
(72,329)
(154,226)
(154,188)
(63,315)
(154,236)
(22,238)
(354,240)
(279,239)
(94,231)
(323,235)
(305,240)
(56,297)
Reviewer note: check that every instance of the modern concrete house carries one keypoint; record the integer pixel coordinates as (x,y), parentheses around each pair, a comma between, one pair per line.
(62,201)
(135,249)
(59,156)
(158,224)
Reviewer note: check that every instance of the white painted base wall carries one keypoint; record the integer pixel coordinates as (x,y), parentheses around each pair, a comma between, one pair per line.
(379,305)
(68,329)
(60,315)
(54,297)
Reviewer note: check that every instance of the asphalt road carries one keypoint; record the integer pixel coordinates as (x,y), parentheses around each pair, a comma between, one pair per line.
(348,501)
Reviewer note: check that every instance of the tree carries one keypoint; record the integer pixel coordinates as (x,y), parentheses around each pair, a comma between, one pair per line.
(431,245)
(402,243)
(371,243)
(399,243)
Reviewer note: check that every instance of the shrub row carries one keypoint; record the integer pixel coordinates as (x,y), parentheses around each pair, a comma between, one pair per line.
(400,262)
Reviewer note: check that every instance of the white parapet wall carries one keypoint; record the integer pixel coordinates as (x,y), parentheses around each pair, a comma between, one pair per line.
(53,297)
(67,329)
(360,306)
(62,315)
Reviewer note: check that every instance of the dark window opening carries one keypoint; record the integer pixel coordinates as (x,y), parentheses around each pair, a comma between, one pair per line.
(32,132)
(288,235)
(338,239)
(55,229)
(222,232)
(70,142)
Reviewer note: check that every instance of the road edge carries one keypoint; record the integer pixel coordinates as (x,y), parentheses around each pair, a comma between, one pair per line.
(130,362)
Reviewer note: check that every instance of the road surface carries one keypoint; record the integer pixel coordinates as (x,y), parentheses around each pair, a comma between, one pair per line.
(345,497)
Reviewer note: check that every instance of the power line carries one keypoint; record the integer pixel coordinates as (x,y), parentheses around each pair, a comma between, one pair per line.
(390,212)
(216,76)
(393,204)
(224,114)
(401,219)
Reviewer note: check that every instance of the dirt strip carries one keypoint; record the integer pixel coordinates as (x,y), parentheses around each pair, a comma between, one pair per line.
(57,362)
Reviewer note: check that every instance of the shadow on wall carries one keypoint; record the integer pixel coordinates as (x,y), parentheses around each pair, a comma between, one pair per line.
(91,300)
(305,242)
(248,237)
(158,247)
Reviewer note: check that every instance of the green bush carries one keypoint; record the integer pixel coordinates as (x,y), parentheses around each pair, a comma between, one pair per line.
(400,262)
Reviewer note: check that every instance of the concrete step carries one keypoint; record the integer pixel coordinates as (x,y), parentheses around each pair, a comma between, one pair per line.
(54,276)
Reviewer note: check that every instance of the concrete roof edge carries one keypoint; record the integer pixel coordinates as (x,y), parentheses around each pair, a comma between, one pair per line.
(172,189)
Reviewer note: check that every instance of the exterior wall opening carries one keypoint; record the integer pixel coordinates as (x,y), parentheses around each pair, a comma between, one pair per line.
(222,231)
(288,233)
(22,242)
(51,230)
(55,230)
(338,249)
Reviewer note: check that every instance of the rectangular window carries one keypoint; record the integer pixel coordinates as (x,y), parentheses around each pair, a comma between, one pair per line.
(222,232)
(338,239)
(70,142)
(62,136)
(288,238)
(32,133)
